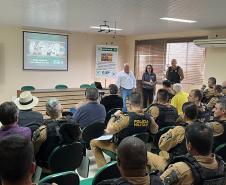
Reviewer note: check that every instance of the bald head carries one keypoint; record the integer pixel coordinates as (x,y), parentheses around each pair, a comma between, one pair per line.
(126,68)
(132,154)
(174,63)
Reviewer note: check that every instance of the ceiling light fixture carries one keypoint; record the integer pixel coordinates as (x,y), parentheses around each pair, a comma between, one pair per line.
(113,29)
(177,20)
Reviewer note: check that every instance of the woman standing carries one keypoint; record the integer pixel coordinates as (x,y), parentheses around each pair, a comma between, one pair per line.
(148,84)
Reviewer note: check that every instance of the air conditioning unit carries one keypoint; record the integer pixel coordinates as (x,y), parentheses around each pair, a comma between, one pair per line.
(211,43)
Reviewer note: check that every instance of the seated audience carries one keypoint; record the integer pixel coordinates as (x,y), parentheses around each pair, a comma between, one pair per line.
(195,96)
(132,162)
(179,99)
(9,118)
(168,86)
(28,117)
(56,131)
(123,125)
(92,111)
(163,113)
(113,100)
(219,124)
(209,92)
(16,161)
(172,143)
(217,96)
(199,166)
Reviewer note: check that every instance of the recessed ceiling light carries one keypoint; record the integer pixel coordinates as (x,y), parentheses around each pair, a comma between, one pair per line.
(113,29)
(177,20)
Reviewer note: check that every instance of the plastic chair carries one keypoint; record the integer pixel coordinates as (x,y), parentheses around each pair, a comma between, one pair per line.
(109,113)
(111,154)
(92,131)
(93,85)
(85,86)
(221,151)
(61,86)
(27,88)
(144,136)
(155,149)
(66,157)
(63,178)
(108,171)
(87,181)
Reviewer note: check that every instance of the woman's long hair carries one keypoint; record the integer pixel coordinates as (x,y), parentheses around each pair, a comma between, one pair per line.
(146,70)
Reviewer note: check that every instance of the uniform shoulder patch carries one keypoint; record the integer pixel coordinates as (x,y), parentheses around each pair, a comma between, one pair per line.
(154,111)
(172,178)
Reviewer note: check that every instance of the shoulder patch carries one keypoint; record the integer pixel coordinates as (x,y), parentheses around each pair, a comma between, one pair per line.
(171,178)
(154,111)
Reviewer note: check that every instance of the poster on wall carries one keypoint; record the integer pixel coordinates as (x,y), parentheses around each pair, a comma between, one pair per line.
(106,61)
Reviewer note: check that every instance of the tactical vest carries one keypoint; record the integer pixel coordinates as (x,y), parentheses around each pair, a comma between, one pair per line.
(202,175)
(54,139)
(221,138)
(154,180)
(138,123)
(173,75)
(167,115)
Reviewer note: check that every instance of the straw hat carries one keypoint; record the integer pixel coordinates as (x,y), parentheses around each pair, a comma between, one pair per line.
(26,101)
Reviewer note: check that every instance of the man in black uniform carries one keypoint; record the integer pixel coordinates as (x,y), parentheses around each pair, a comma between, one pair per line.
(56,131)
(163,113)
(174,73)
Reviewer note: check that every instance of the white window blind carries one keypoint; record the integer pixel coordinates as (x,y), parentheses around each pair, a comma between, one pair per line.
(190,57)
(159,54)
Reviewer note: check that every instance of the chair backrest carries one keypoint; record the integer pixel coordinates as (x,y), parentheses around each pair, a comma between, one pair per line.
(109,113)
(61,86)
(109,171)
(67,113)
(64,178)
(27,88)
(92,131)
(84,86)
(159,133)
(144,136)
(221,151)
(66,157)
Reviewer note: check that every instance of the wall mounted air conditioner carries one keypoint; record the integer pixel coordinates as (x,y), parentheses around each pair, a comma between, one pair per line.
(210,43)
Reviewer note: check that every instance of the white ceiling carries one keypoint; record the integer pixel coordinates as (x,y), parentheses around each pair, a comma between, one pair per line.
(133,16)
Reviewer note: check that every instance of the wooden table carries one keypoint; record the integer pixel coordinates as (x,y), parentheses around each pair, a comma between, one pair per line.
(68,97)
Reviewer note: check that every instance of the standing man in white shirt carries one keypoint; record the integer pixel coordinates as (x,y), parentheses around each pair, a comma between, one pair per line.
(126,82)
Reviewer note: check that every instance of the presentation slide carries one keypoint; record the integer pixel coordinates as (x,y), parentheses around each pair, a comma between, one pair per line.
(44,51)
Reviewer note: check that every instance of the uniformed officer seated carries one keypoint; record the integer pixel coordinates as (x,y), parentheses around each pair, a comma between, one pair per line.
(217,96)
(172,143)
(123,125)
(199,166)
(56,131)
(195,96)
(208,93)
(132,162)
(219,124)
(163,113)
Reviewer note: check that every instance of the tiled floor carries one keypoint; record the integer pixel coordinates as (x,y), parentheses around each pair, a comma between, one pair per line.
(93,167)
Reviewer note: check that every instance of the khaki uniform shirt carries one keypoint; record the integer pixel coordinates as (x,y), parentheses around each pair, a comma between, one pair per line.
(115,125)
(213,101)
(183,172)
(171,138)
(208,93)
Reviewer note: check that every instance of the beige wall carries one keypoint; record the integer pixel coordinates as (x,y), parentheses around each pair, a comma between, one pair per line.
(82,59)
(82,48)
(215,62)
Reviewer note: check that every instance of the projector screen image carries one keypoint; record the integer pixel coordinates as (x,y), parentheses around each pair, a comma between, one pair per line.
(44,51)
